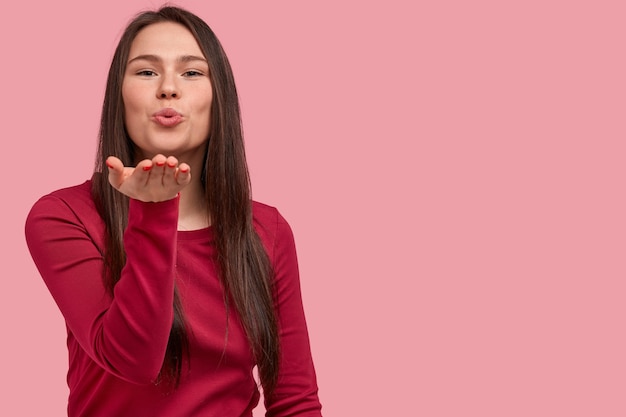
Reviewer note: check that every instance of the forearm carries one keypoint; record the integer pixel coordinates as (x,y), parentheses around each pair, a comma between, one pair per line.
(126,334)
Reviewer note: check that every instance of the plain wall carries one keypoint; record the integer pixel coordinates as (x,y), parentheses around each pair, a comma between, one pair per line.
(453,172)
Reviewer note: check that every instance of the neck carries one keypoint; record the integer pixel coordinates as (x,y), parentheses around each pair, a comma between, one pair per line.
(193,211)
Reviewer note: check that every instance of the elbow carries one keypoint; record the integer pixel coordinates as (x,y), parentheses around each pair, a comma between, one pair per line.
(146,374)
(137,366)
(139,373)
(143,379)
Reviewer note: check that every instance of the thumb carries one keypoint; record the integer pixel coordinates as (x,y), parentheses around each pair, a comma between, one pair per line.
(116,171)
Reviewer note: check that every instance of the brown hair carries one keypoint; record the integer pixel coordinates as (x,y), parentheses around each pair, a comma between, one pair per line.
(244,266)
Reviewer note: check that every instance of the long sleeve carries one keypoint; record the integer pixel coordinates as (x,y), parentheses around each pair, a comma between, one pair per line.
(125,334)
(297,392)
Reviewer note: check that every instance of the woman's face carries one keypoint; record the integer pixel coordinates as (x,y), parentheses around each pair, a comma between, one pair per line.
(167,93)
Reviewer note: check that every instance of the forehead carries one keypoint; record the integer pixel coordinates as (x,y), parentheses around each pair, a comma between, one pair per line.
(164,39)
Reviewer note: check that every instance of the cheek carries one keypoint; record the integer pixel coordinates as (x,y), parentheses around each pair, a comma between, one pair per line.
(202,104)
(132,107)
(131,113)
(202,109)
(132,97)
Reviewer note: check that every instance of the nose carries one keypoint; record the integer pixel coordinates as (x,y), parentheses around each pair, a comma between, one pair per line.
(168,93)
(168,88)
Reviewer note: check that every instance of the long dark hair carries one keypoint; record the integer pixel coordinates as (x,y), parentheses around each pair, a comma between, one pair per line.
(243,264)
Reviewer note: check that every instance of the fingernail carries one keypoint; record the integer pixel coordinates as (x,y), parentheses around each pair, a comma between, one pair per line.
(171,165)
(160,164)
(184,170)
(147,168)
(109,165)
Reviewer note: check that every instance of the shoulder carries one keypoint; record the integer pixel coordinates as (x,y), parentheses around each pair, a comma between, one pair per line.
(67,206)
(75,193)
(75,199)
(264,214)
(271,226)
(267,217)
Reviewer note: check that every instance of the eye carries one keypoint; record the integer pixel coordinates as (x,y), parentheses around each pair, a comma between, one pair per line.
(192,73)
(146,73)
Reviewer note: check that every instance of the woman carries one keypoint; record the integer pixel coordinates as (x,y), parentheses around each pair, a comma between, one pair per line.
(173,284)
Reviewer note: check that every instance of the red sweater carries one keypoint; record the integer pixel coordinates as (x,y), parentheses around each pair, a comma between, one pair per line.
(117,344)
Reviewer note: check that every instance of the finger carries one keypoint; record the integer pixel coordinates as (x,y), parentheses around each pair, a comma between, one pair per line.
(172,161)
(171,165)
(183,174)
(143,170)
(114,162)
(116,171)
(159,160)
(158,169)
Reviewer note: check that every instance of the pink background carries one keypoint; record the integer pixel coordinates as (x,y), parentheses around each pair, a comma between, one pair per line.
(453,172)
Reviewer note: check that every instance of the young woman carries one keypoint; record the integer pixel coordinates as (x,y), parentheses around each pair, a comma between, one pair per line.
(174,285)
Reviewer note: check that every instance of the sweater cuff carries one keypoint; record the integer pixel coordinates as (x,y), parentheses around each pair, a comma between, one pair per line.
(147,214)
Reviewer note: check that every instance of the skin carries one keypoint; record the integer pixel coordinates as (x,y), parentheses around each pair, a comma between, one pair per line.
(166,69)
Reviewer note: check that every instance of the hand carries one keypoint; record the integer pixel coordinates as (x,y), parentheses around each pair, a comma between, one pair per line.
(153,180)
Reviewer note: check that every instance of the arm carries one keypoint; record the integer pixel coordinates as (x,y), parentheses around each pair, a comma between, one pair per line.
(296,392)
(126,335)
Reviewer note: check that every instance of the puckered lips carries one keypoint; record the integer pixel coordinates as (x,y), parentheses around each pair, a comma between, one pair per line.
(167,117)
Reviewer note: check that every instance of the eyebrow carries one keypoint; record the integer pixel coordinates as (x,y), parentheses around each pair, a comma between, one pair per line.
(155,58)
